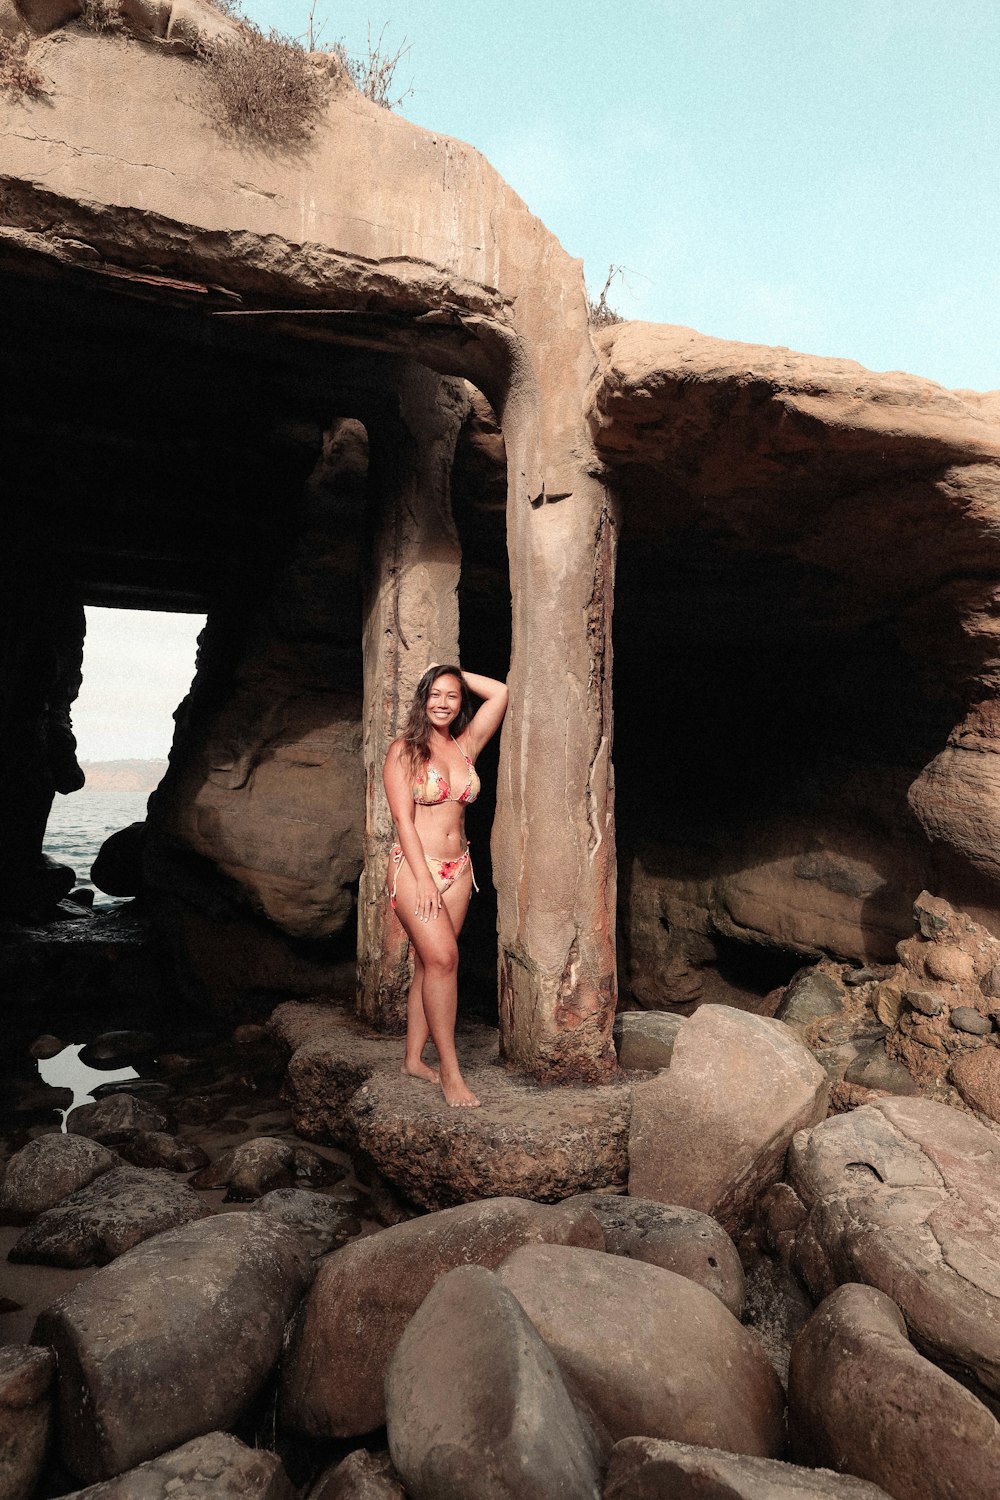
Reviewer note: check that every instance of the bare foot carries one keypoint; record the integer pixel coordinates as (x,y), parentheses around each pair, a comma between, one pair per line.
(459,1095)
(420,1070)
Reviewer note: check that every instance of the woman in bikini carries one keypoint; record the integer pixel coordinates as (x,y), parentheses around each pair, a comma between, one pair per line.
(430,777)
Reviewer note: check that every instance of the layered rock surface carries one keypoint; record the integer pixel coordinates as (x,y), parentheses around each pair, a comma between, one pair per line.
(769,500)
(902,1195)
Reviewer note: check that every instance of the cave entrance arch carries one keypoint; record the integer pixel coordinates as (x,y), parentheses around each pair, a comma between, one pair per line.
(190,485)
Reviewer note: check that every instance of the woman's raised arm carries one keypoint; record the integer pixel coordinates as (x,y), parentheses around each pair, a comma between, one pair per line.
(489,716)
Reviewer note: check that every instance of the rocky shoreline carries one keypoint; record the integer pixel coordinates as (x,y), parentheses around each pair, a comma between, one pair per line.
(730,1272)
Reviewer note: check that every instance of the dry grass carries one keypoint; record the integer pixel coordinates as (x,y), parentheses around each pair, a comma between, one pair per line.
(17,75)
(373,74)
(602,314)
(265,87)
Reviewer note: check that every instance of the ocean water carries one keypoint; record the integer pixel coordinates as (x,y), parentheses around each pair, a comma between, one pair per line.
(79,824)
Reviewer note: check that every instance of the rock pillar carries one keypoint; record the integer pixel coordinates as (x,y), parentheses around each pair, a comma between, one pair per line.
(554,839)
(410,620)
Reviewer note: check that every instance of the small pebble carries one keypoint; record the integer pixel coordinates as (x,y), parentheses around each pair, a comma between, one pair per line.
(859,976)
(990,983)
(924,1001)
(964,1018)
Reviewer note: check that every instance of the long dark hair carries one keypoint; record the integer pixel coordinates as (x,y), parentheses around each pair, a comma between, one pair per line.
(417,729)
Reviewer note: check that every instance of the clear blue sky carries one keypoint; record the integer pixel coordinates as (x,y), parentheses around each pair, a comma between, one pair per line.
(818,173)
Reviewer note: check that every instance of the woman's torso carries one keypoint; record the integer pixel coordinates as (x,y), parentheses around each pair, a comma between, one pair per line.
(441,793)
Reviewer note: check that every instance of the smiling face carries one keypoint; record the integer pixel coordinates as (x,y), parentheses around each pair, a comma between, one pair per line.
(444,701)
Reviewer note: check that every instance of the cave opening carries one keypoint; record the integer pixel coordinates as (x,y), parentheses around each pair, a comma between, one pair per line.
(769,720)
(136,669)
(232,468)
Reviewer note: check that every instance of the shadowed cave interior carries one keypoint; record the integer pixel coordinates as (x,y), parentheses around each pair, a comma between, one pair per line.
(761,714)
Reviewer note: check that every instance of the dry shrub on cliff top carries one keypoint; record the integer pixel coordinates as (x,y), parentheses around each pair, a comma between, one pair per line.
(264,87)
(602,314)
(373,75)
(16,73)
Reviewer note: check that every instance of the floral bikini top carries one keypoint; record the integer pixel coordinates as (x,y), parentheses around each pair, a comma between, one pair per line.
(433,789)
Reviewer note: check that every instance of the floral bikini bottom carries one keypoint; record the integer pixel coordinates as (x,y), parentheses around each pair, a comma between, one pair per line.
(444,872)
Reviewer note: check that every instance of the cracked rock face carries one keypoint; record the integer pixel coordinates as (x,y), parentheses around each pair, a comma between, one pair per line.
(904,1195)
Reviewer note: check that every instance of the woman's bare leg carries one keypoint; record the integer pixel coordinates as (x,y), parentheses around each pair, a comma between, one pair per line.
(417,1030)
(435,945)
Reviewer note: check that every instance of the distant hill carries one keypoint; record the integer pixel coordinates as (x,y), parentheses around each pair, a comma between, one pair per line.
(122,775)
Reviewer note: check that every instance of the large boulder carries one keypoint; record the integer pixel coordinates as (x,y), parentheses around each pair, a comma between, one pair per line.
(475,1404)
(678,1239)
(172,1340)
(117,1210)
(902,1195)
(365,1294)
(116,1118)
(649,1351)
(25,1412)
(644,1468)
(713,1148)
(46,1171)
(524,1142)
(215,1467)
(861,1398)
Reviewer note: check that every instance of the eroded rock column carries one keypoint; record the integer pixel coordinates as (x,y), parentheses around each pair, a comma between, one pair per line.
(554,839)
(410,620)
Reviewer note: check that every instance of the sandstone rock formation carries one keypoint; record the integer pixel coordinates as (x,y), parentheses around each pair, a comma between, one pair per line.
(769,500)
(862,1399)
(901,1195)
(808,553)
(422,260)
(715,1148)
